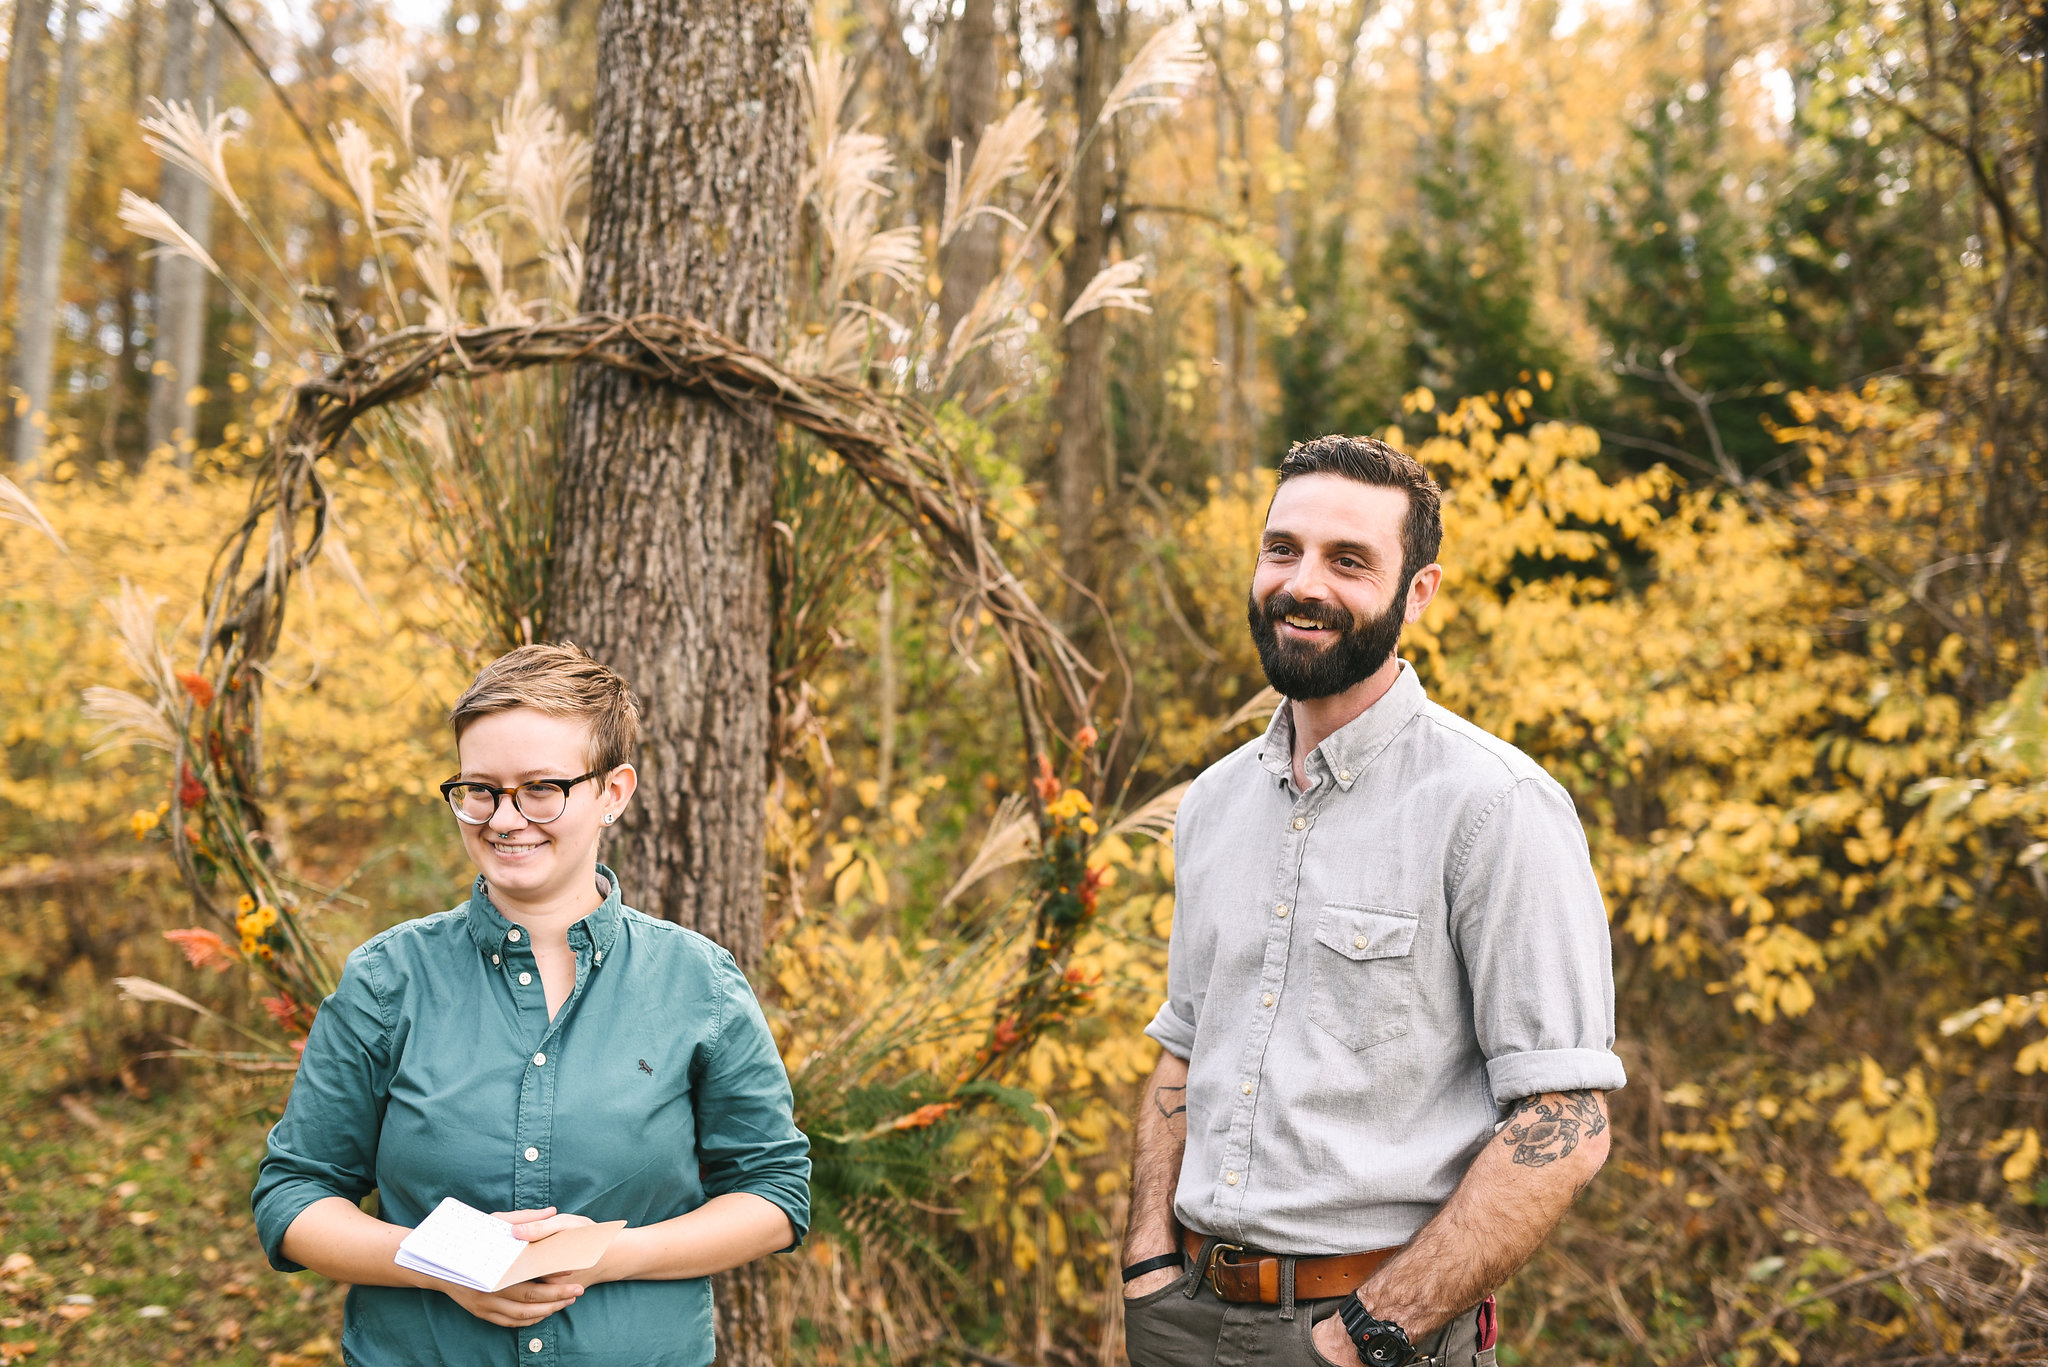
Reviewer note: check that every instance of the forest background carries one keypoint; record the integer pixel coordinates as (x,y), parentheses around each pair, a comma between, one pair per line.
(1719,322)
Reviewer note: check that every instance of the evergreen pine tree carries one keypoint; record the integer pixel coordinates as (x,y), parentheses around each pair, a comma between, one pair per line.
(1677,249)
(1333,369)
(1461,275)
(1856,232)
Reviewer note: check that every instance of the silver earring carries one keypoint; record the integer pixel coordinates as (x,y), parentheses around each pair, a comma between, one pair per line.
(610,817)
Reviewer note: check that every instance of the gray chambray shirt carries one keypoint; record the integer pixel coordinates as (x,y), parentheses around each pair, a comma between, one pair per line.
(1363,975)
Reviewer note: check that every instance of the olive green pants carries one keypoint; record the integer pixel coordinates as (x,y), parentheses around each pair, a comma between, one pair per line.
(1172,1328)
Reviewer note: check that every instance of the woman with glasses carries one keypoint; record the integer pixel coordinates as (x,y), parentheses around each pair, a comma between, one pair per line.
(544,1052)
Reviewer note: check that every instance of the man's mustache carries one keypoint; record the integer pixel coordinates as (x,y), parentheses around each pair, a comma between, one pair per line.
(1280,603)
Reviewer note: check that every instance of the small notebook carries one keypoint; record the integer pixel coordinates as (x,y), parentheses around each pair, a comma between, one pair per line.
(461,1244)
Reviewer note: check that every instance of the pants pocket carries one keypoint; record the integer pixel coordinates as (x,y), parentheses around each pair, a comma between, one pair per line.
(1160,1329)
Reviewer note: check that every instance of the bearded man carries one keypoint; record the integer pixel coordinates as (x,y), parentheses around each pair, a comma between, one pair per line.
(1389,1024)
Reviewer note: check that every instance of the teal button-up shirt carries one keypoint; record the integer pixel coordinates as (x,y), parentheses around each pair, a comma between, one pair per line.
(434,1071)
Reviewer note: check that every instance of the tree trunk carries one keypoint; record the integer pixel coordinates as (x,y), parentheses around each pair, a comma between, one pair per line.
(25,64)
(181,285)
(178,354)
(973,256)
(663,511)
(1288,118)
(42,255)
(1078,406)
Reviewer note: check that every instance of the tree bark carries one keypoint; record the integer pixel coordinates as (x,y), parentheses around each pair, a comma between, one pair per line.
(42,256)
(973,256)
(26,61)
(1288,118)
(178,357)
(662,516)
(1078,405)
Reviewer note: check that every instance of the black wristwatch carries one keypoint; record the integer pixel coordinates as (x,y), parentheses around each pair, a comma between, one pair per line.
(1382,1343)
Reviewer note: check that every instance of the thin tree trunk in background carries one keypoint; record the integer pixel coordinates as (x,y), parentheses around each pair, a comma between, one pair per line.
(1229,440)
(1078,405)
(42,263)
(178,354)
(885,658)
(1244,318)
(971,259)
(662,514)
(1288,117)
(27,62)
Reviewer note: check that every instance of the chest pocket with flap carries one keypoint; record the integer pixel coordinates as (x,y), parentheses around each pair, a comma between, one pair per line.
(1362,973)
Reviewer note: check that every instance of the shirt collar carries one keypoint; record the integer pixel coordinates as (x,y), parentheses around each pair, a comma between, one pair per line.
(491,931)
(1344,754)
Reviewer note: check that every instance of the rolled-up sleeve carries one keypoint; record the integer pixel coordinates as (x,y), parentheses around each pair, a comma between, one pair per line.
(1175,1032)
(1532,930)
(326,1143)
(1173,1026)
(747,1139)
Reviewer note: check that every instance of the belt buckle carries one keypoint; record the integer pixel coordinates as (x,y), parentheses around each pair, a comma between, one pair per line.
(1216,1260)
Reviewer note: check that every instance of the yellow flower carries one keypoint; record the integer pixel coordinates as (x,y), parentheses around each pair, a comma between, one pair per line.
(266,916)
(248,943)
(1068,805)
(245,903)
(142,823)
(1088,825)
(249,924)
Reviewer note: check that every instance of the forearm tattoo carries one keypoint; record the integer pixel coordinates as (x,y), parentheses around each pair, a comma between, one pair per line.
(1171,1101)
(1543,1129)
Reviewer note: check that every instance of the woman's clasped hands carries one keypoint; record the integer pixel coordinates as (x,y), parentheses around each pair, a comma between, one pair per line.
(524,1304)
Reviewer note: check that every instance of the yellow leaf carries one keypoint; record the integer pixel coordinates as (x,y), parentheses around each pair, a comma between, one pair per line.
(2020,1166)
(847,883)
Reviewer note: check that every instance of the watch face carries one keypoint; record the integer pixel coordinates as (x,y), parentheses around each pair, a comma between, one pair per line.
(1382,1350)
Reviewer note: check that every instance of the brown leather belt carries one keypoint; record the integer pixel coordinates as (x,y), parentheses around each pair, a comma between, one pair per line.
(1248,1276)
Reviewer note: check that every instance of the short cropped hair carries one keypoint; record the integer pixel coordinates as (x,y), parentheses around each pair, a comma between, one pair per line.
(1371,461)
(557,681)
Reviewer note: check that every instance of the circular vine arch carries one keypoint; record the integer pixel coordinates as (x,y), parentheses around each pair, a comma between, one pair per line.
(890,443)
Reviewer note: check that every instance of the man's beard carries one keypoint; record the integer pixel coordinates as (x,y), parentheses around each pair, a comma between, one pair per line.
(1304,670)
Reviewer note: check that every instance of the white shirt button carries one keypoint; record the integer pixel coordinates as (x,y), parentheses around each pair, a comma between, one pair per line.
(540,1060)
(1358,943)
(494,958)
(599,956)
(1266,1000)
(525,979)
(1343,775)
(1247,1089)
(533,1345)
(1280,910)
(514,934)
(1231,1178)
(532,1154)
(1299,822)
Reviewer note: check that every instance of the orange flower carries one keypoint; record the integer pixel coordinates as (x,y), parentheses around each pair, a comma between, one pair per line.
(285,1011)
(1086,737)
(203,948)
(924,1116)
(197,686)
(1007,1033)
(1048,787)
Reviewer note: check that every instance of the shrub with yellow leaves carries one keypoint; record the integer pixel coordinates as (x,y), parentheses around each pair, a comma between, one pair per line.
(94,670)
(1818,845)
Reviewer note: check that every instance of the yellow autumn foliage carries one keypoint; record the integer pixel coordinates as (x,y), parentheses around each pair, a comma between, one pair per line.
(351,706)
(1819,861)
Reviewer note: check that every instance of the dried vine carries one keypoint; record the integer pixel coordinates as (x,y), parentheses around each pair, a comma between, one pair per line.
(217,824)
